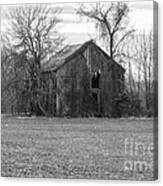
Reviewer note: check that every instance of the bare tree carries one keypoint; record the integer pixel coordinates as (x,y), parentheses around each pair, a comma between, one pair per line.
(139,55)
(33,32)
(146,59)
(14,74)
(111,21)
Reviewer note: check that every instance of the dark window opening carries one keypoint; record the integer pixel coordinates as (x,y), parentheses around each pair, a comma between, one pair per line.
(96,80)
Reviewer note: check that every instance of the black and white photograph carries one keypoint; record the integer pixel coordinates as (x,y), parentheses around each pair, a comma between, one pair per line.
(79,90)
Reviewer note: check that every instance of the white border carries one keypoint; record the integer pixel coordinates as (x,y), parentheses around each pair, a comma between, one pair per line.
(56,182)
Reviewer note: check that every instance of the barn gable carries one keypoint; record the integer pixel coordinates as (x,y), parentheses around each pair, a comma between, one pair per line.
(69,52)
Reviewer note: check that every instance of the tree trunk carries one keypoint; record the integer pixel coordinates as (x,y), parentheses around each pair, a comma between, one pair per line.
(111,45)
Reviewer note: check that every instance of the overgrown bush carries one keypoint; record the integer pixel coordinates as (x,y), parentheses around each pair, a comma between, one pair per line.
(124,105)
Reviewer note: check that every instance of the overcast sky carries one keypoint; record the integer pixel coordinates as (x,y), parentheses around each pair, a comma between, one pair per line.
(78,30)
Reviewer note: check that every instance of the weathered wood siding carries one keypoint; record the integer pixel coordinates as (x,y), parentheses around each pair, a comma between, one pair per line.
(48,92)
(99,61)
(73,86)
(70,89)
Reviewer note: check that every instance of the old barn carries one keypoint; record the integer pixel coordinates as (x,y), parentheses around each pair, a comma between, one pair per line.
(82,80)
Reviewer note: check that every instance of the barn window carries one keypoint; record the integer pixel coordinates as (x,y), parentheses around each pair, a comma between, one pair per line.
(96,79)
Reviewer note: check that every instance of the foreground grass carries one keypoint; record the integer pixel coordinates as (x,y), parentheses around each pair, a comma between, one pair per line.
(72,148)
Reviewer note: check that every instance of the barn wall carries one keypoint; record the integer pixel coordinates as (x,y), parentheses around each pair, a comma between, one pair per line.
(73,84)
(48,92)
(118,90)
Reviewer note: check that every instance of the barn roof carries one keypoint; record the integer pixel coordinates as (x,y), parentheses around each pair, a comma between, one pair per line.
(65,54)
(60,58)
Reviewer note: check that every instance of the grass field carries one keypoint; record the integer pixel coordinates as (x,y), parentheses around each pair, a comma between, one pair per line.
(91,148)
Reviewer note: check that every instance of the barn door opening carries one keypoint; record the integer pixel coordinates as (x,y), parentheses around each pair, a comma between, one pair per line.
(95,96)
(97,104)
(95,87)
